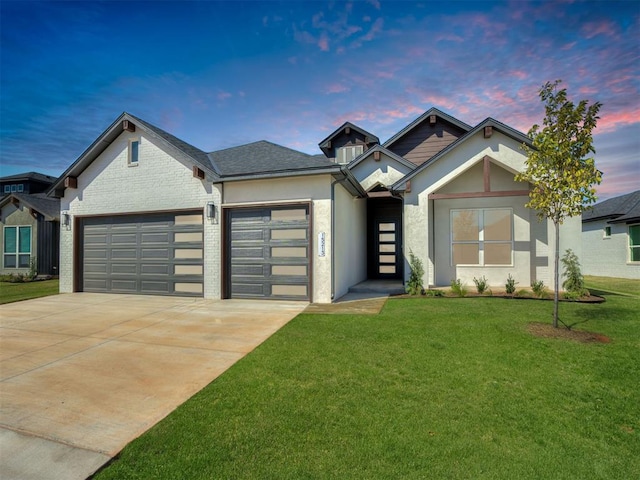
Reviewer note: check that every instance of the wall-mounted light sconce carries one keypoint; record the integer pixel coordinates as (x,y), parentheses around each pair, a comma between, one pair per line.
(211,210)
(66,219)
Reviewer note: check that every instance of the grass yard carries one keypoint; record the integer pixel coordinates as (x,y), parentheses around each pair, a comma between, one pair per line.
(615,285)
(429,388)
(14,292)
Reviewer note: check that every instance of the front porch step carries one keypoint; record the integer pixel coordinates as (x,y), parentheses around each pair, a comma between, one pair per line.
(388,287)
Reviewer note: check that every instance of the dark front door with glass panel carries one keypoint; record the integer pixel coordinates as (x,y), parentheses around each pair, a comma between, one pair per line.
(387,252)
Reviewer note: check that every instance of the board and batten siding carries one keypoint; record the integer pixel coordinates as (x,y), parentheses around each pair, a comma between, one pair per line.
(424,141)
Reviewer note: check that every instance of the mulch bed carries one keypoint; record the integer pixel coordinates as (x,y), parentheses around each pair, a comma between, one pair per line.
(546,330)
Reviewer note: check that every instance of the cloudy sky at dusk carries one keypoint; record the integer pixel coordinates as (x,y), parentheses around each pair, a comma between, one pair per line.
(219,74)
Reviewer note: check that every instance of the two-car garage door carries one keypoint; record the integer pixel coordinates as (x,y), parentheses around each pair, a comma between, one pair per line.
(266,253)
(152,254)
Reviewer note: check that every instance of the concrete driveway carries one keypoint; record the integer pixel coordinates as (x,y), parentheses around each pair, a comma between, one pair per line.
(83,374)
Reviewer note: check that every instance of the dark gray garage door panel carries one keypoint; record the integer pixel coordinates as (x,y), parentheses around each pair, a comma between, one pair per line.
(159,254)
(269,252)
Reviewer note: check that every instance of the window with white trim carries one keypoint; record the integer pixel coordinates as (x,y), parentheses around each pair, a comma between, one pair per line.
(20,188)
(17,247)
(134,152)
(348,153)
(607,232)
(482,236)
(7,189)
(634,243)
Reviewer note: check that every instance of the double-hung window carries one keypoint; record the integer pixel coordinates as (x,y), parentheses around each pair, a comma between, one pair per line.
(17,247)
(348,153)
(482,236)
(634,243)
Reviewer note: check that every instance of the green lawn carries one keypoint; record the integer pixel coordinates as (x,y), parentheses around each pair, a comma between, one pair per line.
(615,285)
(14,292)
(430,388)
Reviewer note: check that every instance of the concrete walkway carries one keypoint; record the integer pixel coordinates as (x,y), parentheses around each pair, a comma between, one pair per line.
(81,375)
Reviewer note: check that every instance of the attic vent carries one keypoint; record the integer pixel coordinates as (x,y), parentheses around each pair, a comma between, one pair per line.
(198,173)
(488,131)
(128,126)
(432,119)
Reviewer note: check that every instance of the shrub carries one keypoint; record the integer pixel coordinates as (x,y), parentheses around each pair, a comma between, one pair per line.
(458,288)
(482,284)
(434,293)
(33,269)
(539,289)
(510,286)
(414,285)
(574,283)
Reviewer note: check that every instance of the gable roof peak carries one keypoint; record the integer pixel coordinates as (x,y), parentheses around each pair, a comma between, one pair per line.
(424,117)
(369,137)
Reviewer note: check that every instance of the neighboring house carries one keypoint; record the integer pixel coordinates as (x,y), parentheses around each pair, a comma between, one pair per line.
(152,214)
(28,183)
(30,222)
(611,237)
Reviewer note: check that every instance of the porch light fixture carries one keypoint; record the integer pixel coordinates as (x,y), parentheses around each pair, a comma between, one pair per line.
(66,219)
(211,210)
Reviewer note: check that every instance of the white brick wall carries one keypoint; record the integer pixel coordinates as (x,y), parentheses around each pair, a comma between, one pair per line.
(162,180)
(607,257)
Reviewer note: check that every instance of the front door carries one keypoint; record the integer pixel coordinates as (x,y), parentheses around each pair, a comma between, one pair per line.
(385,238)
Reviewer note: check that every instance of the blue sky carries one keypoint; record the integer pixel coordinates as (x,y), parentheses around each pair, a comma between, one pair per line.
(219,74)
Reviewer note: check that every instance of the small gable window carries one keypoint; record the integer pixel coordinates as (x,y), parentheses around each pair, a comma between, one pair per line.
(7,189)
(348,153)
(14,188)
(20,188)
(134,152)
(607,232)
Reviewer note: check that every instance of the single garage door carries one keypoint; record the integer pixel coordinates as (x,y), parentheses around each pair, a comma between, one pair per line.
(269,252)
(150,254)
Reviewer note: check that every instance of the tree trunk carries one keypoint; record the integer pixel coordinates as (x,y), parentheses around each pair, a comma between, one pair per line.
(556,276)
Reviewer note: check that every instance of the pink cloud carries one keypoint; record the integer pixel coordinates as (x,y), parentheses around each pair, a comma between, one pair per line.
(606,28)
(323,42)
(568,46)
(587,90)
(336,88)
(519,74)
(611,121)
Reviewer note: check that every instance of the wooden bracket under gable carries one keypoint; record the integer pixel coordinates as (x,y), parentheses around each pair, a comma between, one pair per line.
(128,126)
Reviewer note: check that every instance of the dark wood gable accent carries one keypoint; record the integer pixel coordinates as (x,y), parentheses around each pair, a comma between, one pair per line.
(486,173)
(71,182)
(198,173)
(425,140)
(128,126)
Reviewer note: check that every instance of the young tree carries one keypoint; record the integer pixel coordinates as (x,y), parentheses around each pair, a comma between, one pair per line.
(559,169)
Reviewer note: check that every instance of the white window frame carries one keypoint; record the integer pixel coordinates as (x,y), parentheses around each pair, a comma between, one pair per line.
(17,253)
(606,232)
(7,189)
(130,160)
(631,247)
(20,188)
(353,150)
(481,241)
(14,188)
